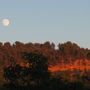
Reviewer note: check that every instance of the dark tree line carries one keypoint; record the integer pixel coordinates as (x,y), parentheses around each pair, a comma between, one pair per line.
(36,76)
(12,53)
(39,57)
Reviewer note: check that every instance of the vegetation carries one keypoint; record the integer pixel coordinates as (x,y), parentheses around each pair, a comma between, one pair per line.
(35,76)
(12,53)
(26,66)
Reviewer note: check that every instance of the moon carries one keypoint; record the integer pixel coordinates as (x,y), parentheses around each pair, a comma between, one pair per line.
(5,22)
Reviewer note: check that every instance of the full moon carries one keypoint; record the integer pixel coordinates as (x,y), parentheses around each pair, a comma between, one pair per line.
(5,22)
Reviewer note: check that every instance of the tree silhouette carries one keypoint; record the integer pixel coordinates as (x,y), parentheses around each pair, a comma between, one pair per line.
(88,56)
(31,67)
(39,70)
(37,74)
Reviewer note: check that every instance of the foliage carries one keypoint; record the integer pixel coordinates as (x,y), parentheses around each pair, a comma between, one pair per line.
(88,56)
(27,76)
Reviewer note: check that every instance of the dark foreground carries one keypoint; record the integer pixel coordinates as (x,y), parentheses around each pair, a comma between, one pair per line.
(54,85)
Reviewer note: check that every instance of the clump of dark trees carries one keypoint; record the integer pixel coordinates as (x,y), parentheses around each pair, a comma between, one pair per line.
(41,56)
(12,53)
(36,76)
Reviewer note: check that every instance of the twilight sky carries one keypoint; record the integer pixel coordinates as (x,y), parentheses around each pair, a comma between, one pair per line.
(46,20)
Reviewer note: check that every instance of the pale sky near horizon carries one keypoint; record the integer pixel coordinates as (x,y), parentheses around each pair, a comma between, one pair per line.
(46,20)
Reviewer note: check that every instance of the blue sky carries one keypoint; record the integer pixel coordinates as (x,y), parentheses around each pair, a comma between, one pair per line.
(46,20)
